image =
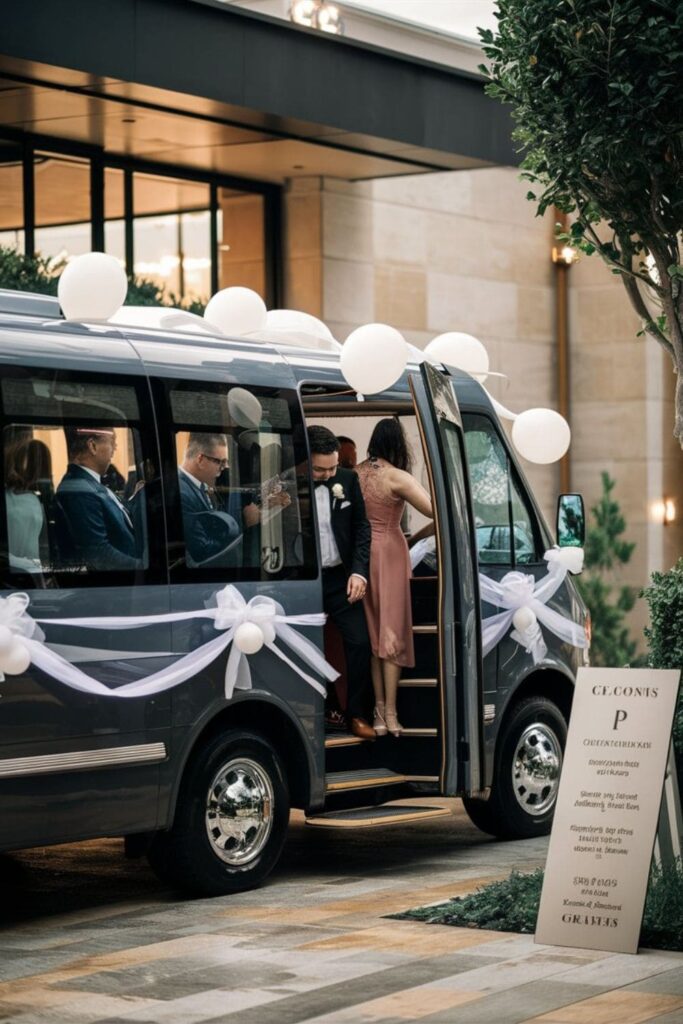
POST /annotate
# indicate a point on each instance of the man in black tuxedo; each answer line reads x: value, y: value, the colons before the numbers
x: 94, y: 528
x: 344, y: 533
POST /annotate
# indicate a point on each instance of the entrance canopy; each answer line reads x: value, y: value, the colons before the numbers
x: 194, y: 83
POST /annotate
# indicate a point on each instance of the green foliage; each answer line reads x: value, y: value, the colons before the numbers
x: 664, y: 636
x: 41, y: 274
x: 512, y: 906
x: 28, y: 273
x: 605, y: 553
x: 595, y: 89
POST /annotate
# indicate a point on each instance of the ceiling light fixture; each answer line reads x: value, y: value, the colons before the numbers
x: 317, y: 14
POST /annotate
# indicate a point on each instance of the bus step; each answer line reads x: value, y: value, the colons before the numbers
x: 426, y: 629
x: 365, y: 778
x: 417, y: 682
x: 371, y: 817
x: 344, y: 739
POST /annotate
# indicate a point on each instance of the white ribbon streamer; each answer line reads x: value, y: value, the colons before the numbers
x: 230, y: 612
x: 518, y: 592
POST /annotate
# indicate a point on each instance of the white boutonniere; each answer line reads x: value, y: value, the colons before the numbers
x: 338, y: 492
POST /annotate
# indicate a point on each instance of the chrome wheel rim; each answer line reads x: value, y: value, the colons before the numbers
x: 239, y: 811
x: 536, y: 769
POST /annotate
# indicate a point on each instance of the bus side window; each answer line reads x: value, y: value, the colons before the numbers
x: 74, y: 481
x: 239, y: 488
x: 503, y: 523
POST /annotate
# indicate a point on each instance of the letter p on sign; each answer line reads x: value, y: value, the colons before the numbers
x: 620, y: 717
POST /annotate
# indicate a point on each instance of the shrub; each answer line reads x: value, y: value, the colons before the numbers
x: 41, y: 274
x: 664, y: 636
x: 512, y: 906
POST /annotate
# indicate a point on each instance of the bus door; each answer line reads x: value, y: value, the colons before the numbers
x: 459, y: 616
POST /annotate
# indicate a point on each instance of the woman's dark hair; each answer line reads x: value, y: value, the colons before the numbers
x: 389, y: 442
x: 26, y: 462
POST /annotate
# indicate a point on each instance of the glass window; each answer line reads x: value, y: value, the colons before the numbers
x: 242, y: 240
x: 172, y: 236
x: 62, y: 197
x: 503, y: 523
x: 11, y: 196
x: 79, y: 483
x: 114, y: 214
x: 241, y: 483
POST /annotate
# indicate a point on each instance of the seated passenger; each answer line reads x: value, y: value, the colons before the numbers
x: 27, y: 463
x: 94, y: 528
x: 210, y: 530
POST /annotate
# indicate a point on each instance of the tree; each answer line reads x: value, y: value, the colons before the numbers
x: 595, y: 88
x: 605, y: 552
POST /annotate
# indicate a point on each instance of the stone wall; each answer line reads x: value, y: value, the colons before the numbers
x: 464, y: 251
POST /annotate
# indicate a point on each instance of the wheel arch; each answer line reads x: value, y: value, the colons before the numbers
x: 265, y: 716
x: 551, y: 682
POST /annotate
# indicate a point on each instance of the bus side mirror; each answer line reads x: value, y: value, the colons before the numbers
x: 571, y: 521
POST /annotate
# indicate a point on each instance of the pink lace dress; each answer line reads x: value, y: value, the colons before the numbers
x: 387, y: 599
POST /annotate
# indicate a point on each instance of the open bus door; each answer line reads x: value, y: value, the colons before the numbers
x: 460, y: 660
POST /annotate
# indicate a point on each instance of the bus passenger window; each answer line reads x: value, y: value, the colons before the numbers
x: 242, y: 482
x: 74, y: 476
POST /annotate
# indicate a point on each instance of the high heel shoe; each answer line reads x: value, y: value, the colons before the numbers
x: 378, y: 723
x: 393, y: 724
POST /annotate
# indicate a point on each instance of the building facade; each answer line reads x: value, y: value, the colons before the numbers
x: 359, y: 179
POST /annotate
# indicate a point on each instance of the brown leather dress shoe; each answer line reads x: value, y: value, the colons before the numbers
x: 360, y: 728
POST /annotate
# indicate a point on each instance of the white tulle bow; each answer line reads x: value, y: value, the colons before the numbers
x: 524, y: 603
x: 231, y: 611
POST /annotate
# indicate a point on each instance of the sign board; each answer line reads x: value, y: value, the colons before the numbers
x: 607, y: 809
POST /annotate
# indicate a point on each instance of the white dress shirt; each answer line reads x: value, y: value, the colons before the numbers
x: 328, y: 545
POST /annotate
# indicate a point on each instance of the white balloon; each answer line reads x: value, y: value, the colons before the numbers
x: 541, y: 435
x: 268, y: 630
x: 523, y: 619
x: 295, y: 320
x: 244, y: 408
x: 92, y: 287
x: 248, y: 638
x: 16, y: 660
x: 6, y: 639
x: 236, y: 311
x: 461, y: 351
x: 373, y: 358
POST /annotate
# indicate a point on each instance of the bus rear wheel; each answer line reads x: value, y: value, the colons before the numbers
x: 231, y: 818
x: 526, y: 775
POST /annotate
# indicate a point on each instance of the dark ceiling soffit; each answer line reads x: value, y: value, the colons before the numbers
x: 266, y: 68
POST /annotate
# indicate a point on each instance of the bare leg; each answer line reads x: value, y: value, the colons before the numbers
x: 378, y: 724
x: 391, y: 674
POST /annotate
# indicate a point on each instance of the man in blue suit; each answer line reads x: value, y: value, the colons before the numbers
x: 211, y: 526
x: 94, y: 527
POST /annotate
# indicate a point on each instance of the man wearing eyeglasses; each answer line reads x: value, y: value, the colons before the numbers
x: 208, y: 527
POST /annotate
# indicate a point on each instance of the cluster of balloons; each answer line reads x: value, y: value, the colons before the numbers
x: 372, y: 359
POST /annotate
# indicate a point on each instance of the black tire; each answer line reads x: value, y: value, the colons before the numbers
x: 526, y: 773
x: 208, y: 853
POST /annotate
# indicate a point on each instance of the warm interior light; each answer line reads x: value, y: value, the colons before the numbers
x: 565, y: 255
x: 664, y: 511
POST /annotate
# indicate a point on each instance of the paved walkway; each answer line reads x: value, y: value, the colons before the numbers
x: 93, y: 938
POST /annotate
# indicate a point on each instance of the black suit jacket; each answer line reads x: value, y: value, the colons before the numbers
x: 91, y: 527
x: 349, y: 523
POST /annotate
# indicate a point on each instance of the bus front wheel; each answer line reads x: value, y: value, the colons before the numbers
x: 526, y: 775
x: 231, y: 818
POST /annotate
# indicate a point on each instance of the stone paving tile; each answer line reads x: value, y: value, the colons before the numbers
x: 623, y: 969
x: 612, y: 1008
x: 669, y: 982
x: 519, y: 1006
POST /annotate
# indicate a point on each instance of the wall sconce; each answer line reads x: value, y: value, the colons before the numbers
x: 565, y: 255
x: 664, y: 511
x: 317, y: 14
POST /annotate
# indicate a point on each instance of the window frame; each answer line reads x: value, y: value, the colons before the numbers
x: 156, y: 572
x: 513, y: 479
x: 179, y: 571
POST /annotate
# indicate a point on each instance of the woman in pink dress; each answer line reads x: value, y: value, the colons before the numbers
x: 387, y: 485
